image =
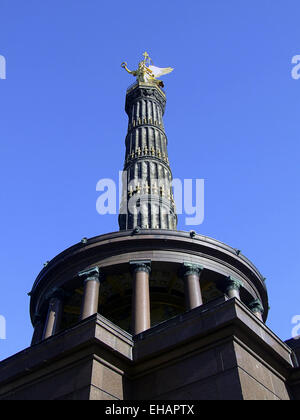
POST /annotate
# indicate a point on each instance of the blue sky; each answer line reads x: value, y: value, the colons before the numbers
x: 232, y: 118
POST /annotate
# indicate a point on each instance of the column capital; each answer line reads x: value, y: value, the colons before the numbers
x: 91, y: 274
x: 191, y: 268
x: 256, y: 306
x: 141, y: 265
x: 233, y: 283
x: 37, y: 318
x: 56, y: 293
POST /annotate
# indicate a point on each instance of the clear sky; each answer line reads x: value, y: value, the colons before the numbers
x: 232, y: 118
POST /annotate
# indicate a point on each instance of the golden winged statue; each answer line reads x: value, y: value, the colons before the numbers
x: 148, y: 73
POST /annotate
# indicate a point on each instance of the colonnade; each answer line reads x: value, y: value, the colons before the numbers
x: 141, y: 314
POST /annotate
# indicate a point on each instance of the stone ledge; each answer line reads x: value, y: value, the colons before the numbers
x: 195, y: 334
x: 214, y: 317
x: 95, y: 330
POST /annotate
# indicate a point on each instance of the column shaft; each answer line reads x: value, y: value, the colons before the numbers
x: 53, y: 317
x: 232, y: 287
x: 38, y: 330
x: 193, y: 295
x: 141, y: 300
x: 90, y: 298
x: 233, y: 293
x: 257, y: 308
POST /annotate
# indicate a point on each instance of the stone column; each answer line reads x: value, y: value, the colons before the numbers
x: 38, y: 329
x: 257, y: 308
x: 141, y: 320
x: 91, y: 292
x: 54, y: 313
x: 233, y: 286
x: 191, y: 274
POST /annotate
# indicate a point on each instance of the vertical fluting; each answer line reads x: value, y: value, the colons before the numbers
x: 147, y: 198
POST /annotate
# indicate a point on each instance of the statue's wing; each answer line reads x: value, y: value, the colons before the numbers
x: 157, y: 71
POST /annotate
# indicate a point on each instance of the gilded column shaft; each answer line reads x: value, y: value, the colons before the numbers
x: 146, y: 163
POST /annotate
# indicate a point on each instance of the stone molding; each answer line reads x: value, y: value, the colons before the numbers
x: 144, y: 265
x: 92, y: 274
x: 233, y: 283
x: 256, y: 306
x: 192, y: 269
